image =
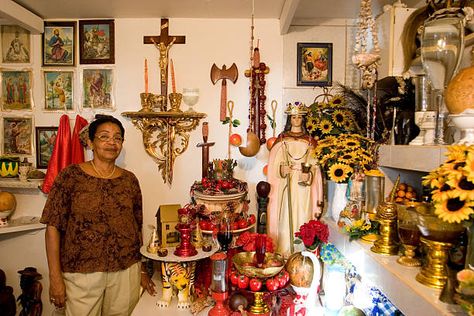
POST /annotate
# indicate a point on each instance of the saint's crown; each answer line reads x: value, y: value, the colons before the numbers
x: 296, y: 108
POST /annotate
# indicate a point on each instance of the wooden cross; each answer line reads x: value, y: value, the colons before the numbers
x: 163, y: 43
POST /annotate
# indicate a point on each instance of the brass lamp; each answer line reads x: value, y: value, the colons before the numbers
x: 387, y: 243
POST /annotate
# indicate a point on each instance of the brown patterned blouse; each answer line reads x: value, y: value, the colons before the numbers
x: 99, y: 220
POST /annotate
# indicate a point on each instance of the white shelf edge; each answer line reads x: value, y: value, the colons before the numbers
x: 410, y: 157
x: 21, y: 224
x: 397, y: 282
x: 15, y: 183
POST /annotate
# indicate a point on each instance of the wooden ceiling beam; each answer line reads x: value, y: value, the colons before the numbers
x: 16, y: 14
x: 287, y: 14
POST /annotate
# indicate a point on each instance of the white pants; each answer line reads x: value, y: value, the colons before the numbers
x: 102, y: 293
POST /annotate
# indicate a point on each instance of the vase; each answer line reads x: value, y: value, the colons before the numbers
x: 470, y: 246
x: 338, y: 201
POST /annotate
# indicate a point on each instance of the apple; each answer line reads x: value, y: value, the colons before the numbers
x: 255, y: 284
x: 235, y: 140
x: 265, y: 170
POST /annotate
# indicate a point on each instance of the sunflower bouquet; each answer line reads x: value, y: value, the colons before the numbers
x: 331, y: 116
x: 452, y: 185
x: 339, y: 156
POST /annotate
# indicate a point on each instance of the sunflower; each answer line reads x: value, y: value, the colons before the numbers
x: 453, y: 209
x: 311, y: 125
x: 338, y: 118
x: 442, y: 193
x: 465, y: 189
x: 433, y: 179
x: 457, y: 152
x: 469, y: 167
x: 325, y: 126
x: 351, y: 142
x: 339, y: 172
x: 336, y: 101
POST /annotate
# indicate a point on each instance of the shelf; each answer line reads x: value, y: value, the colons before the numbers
x: 16, y: 183
x: 416, y: 158
x: 397, y: 282
x: 21, y: 224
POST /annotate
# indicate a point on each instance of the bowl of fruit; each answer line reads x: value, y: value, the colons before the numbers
x: 246, y: 264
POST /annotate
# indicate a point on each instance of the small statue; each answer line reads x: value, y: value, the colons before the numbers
x: 30, y: 298
x: 7, y: 299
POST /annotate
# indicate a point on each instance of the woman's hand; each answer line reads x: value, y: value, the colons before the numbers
x: 57, y: 291
x: 147, y: 283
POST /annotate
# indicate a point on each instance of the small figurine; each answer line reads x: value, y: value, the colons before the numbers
x: 7, y: 299
x: 30, y: 298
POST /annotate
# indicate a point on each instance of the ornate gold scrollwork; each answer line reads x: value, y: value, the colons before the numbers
x: 165, y: 135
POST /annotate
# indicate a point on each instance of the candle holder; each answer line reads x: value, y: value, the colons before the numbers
x: 175, y: 100
x: 185, y: 248
x: 219, y: 285
x: 259, y: 307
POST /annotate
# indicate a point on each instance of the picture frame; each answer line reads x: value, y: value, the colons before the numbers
x: 45, y: 139
x: 16, y: 44
x: 16, y: 90
x: 59, y: 43
x: 97, y: 41
x: 98, y: 88
x: 314, y: 64
x: 58, y: 86
x: 17, y: 135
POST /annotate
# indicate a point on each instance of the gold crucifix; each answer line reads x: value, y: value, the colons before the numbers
x: 163, y: 43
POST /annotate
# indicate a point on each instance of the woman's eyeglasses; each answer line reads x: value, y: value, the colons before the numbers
x: 105, y: 139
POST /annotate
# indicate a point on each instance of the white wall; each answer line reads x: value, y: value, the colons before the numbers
x: 207, y: 42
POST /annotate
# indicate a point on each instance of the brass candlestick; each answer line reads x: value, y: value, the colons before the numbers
x: 259, y: 307
x: 438, y: 237
x: 434, y: 273
x: 387, y: 243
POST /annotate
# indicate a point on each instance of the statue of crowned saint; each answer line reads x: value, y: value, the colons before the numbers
x: 295, y: 177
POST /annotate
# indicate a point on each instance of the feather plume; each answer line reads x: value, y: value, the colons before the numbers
x: 354, y: 101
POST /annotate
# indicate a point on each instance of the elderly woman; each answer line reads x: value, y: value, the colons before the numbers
x: 93, y: 235
x: 296, y: 185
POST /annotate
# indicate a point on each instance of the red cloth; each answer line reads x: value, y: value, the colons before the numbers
x: 61, y: 156
x: 77, y: 150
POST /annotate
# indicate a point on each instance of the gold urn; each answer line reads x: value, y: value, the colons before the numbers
x: 388, y: 242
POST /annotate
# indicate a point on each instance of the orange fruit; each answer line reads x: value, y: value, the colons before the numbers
x: 235, y: 140
x: 402, y: 186
x: 401, y: 193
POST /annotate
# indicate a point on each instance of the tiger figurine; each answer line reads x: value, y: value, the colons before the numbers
x: 177, y: 277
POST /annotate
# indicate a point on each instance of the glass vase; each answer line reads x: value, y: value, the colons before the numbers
x: 339, y: 200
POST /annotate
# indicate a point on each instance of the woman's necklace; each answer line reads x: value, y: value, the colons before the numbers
x: 100, y: 173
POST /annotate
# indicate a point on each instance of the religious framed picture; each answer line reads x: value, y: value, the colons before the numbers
x: 16, y: 45
x: 16, y: 90
x: 98, y: 88
x: 59, y: 43
x: 58, y: 90
x: 17, y: 135
x: 314, y: 64
x: 96, y: 42
x: 45, y: 139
